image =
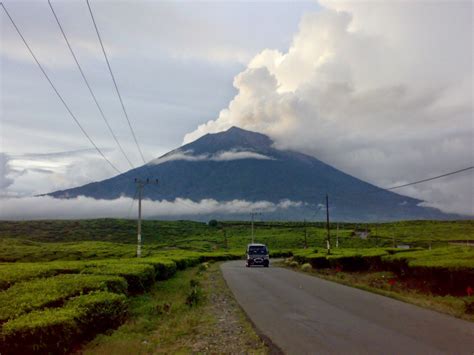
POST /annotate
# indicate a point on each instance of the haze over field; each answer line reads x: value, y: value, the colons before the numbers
x: 378, y: 90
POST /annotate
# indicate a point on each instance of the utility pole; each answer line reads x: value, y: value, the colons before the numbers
x: 337, y: 236
x: 225, y: 238
x: 253, y: 217
x: 140, y: 185
x: 328, y: 240
x: 305, y: 235
x: 393, y: 237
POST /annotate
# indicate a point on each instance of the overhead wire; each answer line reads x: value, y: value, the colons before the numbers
x: 385, y: 189
x: 57, y: 92
x: 115, y: 82
x: 431, y: 178
x: 353, y: 195
x: 88, y: 85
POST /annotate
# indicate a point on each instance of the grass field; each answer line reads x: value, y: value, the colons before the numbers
x: 106, y: 238
x: 71, y: 280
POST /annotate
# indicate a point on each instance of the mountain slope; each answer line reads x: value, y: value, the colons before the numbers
x: 244, y: 165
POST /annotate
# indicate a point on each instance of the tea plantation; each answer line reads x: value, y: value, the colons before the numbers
x: 63, y: 282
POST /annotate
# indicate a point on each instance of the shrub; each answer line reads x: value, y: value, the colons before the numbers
x: 280, y: 253
x: 194, y: 283
x: 469, y: 305
x: 294, y: 264
x: 213, y: 223
x: 53, y: 291
x: 164, y: 268
x: 16, y: 272
x: 57, y: 329
x: 195, y: 297
x: 203, y: 266
x: 306, y: 267
x: 139, y: 276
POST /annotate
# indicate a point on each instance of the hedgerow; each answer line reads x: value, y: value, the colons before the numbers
x: 56, y: 330
x: 448, y: 270
x: 164, y: 268
x: 42, y: 314
x: 139, y: 276
x: 53, y: 291
x: 12, y: 273
x: 450, y: 257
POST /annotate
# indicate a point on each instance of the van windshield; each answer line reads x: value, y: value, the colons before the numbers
x: 257, y: 250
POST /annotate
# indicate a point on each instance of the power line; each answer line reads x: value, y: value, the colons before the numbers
x: 115, y: 83
x: 385, y: 189
x: 431, y: 178
x: 56, y: 91
x: 350, y: 196
x: 88, y: 86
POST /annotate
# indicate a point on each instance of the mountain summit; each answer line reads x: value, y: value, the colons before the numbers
x: 233, y: 138
x: 244, y: 165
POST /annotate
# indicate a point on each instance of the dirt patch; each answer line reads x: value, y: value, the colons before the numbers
x: 230, y: 332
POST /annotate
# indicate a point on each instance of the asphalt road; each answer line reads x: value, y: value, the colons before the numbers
x: 302, y: 314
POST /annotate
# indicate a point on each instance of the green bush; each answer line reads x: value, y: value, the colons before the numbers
x: 306, y: 267
x: 213, y: 223
x: 139, y: 277
x: 15, y: 272
x: 53, y: 291
x: 56, y: 330
x: 164, y: 268
x: 469, y: 305
x: 203, y: 267
x: 453, y: 258
x: 280, y: 253
x: 196, y: 295
x: 294, y: 263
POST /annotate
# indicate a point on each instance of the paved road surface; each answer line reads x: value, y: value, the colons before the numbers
x: 303, y: 314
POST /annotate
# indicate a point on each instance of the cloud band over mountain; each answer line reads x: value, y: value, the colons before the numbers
x: 46, y: 207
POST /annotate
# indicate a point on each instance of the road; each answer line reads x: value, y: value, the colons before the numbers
x: 302, y: 314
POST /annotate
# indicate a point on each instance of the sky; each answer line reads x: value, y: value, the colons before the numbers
x: 380, y: 90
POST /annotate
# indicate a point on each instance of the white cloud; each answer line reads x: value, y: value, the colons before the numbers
x: 35, y: 173
x: 46, y: 207
x: 219, y: 156
x: 236, y: 155
x: 5, y: 179
x: 381, y: 90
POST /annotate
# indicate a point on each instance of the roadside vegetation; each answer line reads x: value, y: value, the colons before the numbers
x: 441, y: 278
x: 74, y: 300
x: 73, y: 280
x: 193, y: 312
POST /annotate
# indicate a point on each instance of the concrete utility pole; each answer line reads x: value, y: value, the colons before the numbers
x: 328, y: 240
x: 337, y: 236
x: 253, y: 214
x: 140, y: 185
x: 225, y: 238
x: 305, y: 235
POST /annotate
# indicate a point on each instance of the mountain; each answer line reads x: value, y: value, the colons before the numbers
x: 243, y: 165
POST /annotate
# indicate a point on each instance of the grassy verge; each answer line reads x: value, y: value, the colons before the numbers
x: 162, y: 321
x: 387, y: 284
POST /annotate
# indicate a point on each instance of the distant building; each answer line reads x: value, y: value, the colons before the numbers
x: 361, y: 234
